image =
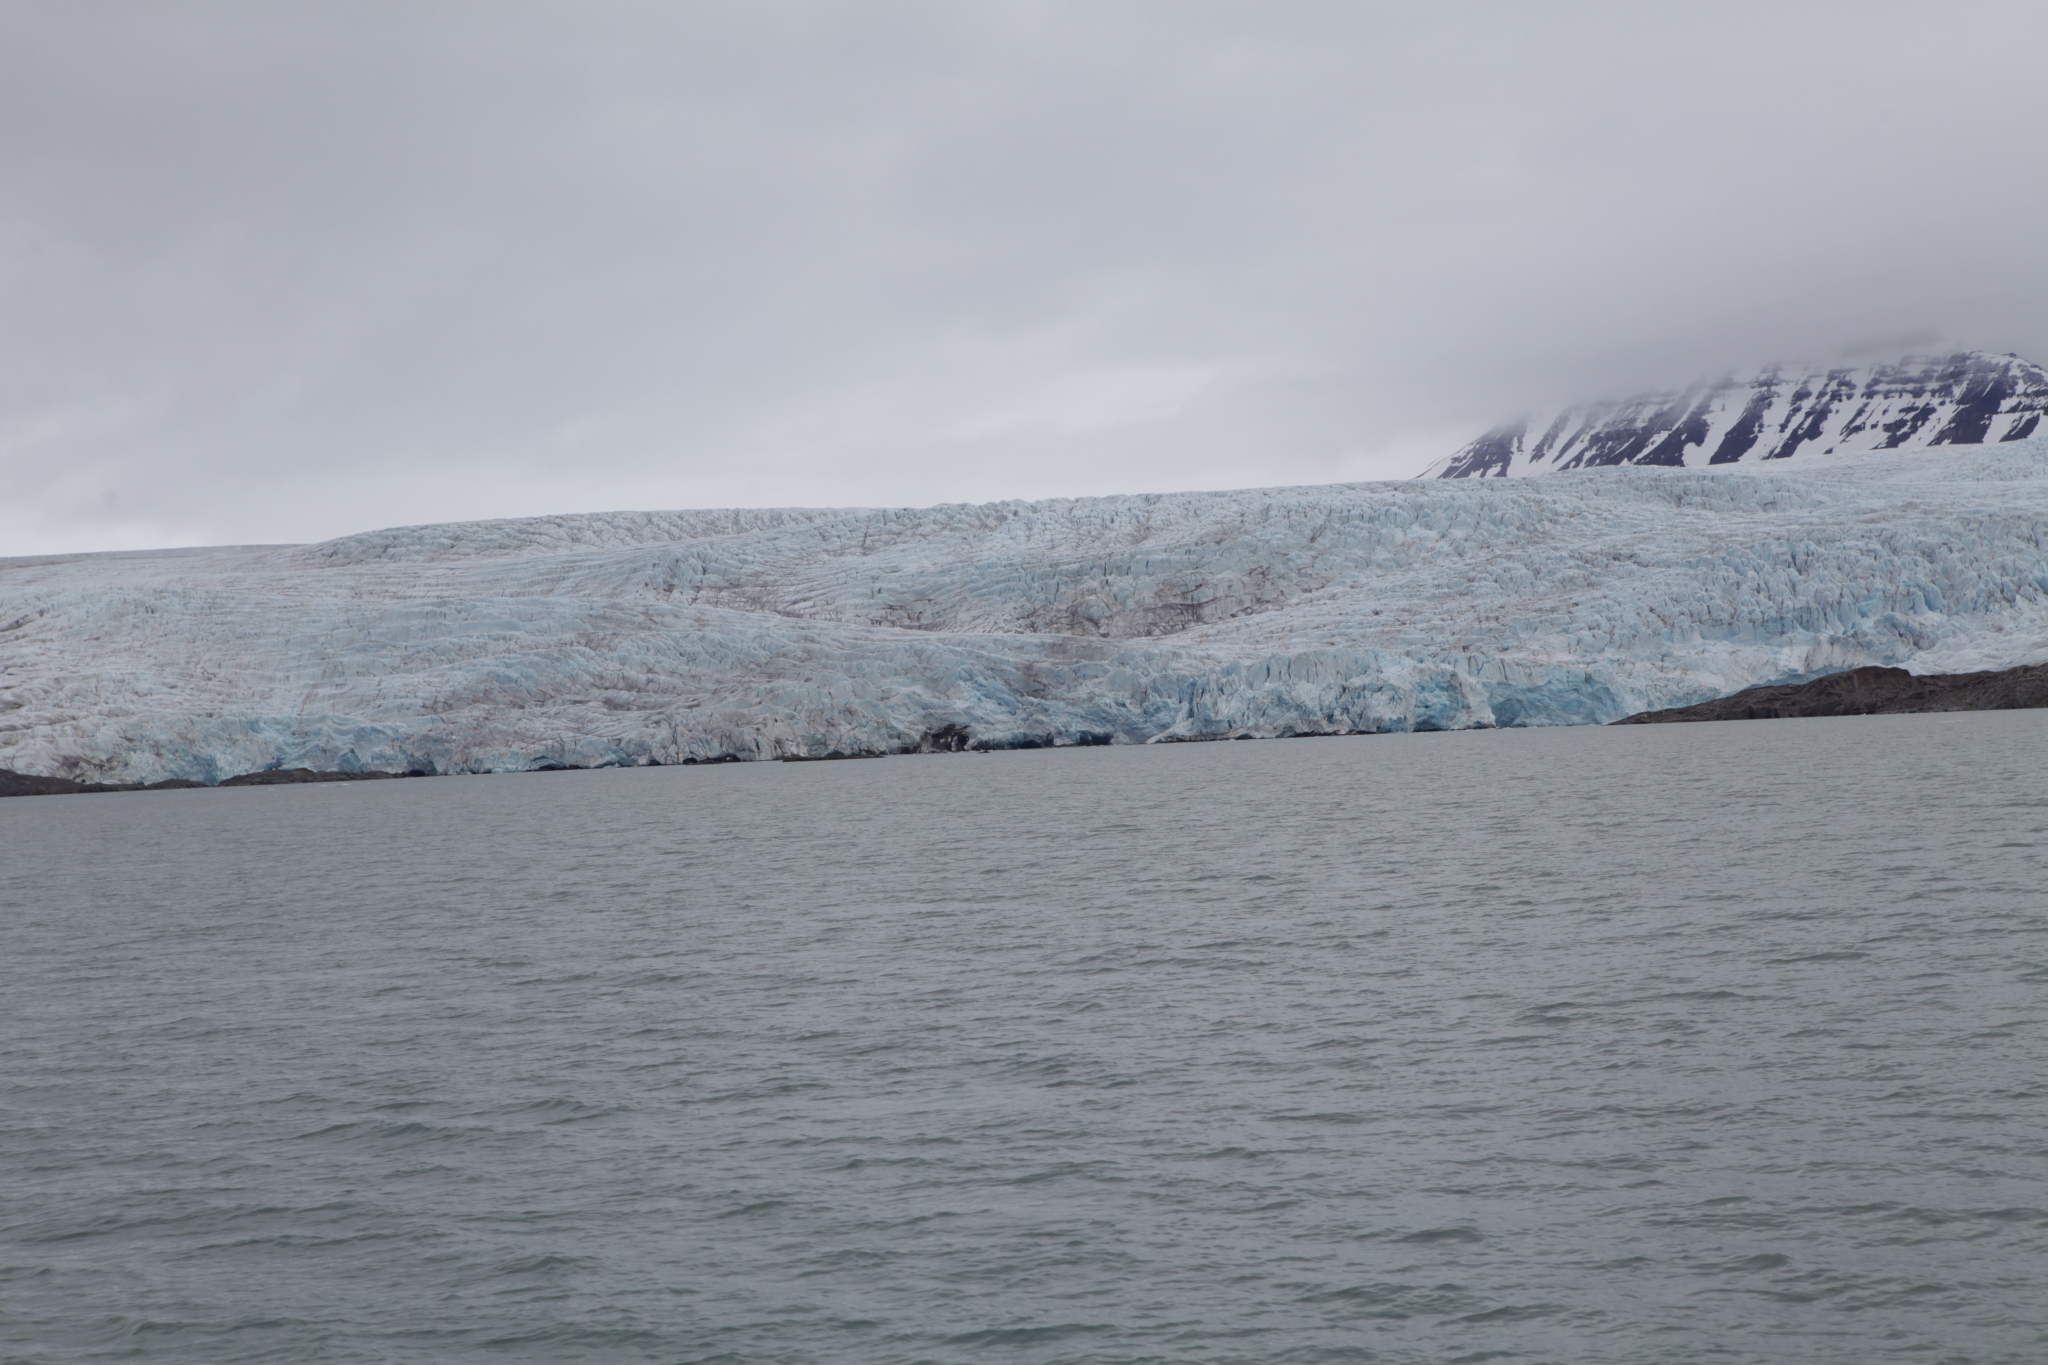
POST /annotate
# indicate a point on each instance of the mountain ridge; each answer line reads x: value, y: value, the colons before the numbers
x: 1961, y: 398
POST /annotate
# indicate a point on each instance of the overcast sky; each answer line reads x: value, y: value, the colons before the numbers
x: 276, y: 271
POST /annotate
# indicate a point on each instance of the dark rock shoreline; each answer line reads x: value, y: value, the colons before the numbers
x: 1870, y: 692
x: 27, y: 784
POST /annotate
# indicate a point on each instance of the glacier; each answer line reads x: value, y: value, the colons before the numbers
x: 673, y: 637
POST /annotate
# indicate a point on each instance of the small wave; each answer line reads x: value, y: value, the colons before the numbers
x: 404, y: 1134
x: 547, y: 1263
x: 1763, y: 1260
x: 1512, y: 1313
x: 1334, y: 1116
x: 563, y: 1338
x: 1026, y: 1336
x: 1451, y: 1234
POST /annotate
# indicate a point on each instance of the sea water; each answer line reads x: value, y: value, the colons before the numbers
x: 1722, y: 1043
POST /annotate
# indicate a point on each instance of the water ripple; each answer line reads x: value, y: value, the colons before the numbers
x: 1635, y: 1047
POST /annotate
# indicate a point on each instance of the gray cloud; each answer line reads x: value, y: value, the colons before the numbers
x: 282, y: 271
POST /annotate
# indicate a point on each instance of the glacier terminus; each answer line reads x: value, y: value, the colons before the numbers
x: 1612, y: 587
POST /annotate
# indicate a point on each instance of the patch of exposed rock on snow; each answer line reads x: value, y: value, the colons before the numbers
x: 631, y: 638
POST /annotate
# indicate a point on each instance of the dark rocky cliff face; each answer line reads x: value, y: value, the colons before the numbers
x: 1871, y: 692
x: 1967, y: 398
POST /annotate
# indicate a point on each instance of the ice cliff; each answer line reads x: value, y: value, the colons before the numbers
x: 1914, y: 402
x: 668, y: 637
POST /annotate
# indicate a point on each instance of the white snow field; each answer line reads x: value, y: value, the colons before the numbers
x: 663, y: 637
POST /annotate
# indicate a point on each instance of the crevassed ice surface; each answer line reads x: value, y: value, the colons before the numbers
x: 1909, y: 403
x: 633, y: 638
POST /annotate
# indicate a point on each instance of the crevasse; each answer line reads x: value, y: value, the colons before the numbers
x: 652, y: 637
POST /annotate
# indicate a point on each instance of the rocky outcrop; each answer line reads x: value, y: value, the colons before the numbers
x: 278, y: 777
x: 1871, y: 692
x: 1916, y: 402
x: 28, y: 784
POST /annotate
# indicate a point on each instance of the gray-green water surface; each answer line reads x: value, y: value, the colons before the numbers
x: 1716, y: 1043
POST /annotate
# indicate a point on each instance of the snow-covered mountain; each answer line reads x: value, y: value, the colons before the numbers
x: 1917, y: 402
x: 668, y: 637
